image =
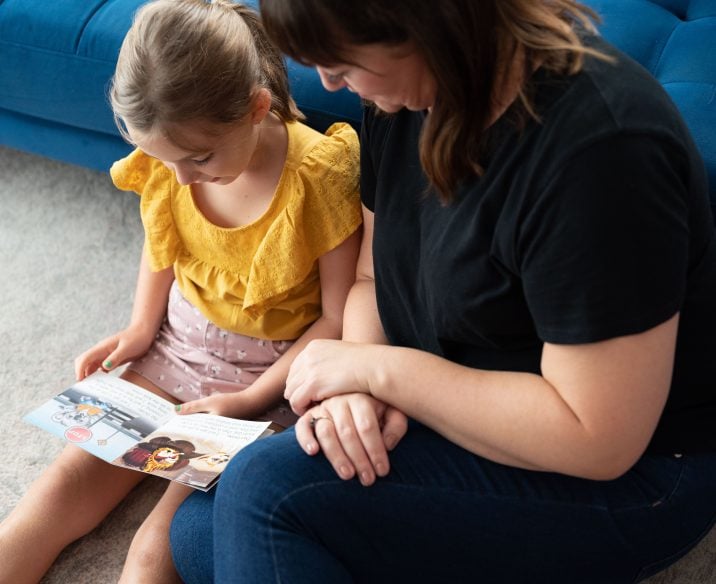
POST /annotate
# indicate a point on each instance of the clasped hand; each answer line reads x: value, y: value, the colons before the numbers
x: 355, y: 431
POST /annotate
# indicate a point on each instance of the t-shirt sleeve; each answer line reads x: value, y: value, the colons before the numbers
x: 603, y: 250
x: 153, y: 182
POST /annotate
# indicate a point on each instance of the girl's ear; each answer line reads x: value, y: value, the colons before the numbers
x: 262, y: 105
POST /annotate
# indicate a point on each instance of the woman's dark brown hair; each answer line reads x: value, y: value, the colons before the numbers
x: 464, y: 42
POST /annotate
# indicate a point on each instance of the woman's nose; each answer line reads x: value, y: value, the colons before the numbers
x: 329, y: 81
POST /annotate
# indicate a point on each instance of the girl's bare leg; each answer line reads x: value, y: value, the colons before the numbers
x: 72, y: 496
x: 67, y: 501
x: 149, y: 560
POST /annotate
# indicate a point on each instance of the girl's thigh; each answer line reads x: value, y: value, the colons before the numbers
x: 444, y: 514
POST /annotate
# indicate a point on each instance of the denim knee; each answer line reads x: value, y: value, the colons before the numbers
x: 191, y: 539
x: 261, y: 475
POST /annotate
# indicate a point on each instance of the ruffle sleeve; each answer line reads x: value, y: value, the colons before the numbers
x: 154, y: 183
x: 321, y: 213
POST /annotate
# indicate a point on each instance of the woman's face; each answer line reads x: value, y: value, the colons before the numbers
x: 391, y: 77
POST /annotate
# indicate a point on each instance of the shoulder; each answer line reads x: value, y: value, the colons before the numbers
x: 325, y: 160
x: 140, y: 173
x: 607, y: 99
x: 308, y: 146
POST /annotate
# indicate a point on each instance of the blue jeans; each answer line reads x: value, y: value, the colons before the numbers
x: 441, y: 515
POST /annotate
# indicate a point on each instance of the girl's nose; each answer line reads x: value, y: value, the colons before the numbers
x: 185, y: 176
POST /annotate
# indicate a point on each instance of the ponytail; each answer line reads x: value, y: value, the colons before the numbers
x: 273, y: 67
x: 189, y: 60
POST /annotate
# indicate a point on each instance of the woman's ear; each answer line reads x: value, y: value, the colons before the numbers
x: 262, y: 105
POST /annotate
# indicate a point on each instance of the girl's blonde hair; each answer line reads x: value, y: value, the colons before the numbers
x: 192, y: 61
x: 466, y: 44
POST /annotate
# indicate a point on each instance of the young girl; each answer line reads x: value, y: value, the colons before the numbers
x: 251, y: 237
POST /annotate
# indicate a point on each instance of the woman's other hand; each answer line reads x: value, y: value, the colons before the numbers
x: 355, y: 432
x: 326, y: 368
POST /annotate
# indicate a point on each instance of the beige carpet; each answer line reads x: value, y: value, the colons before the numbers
x: 69, y: 250
x: 69, y: 245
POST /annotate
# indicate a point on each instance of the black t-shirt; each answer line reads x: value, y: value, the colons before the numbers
x: 593, y: 223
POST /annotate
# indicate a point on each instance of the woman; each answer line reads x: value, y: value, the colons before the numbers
x: 535, y: 292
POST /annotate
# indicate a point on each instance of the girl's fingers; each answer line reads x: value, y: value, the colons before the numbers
x: 197, y: 406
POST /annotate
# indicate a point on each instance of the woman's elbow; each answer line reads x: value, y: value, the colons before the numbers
x: 609, y: 462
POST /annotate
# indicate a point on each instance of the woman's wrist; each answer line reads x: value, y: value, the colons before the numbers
x: 375, y: 377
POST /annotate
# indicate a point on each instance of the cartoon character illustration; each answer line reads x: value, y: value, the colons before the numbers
x: 161, y: 453
x: 85, y: 413
x: 214, y: 462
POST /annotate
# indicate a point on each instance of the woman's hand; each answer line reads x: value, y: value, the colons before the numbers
x: 126, y: 345
x: 355, y: 433
x: 326, y: 368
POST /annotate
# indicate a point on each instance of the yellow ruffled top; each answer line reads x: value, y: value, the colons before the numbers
x: 259, y: 279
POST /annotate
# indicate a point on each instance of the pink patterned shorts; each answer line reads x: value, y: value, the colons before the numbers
x: 193, y: 358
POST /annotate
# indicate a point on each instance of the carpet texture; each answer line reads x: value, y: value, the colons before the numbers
x: 69, y: 247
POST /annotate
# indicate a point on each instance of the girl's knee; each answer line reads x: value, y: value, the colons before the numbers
x: 149, y: 549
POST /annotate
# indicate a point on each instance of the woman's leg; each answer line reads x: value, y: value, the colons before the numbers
x: 443, y: 514
x: 149, y: 559
x: 191, y: 538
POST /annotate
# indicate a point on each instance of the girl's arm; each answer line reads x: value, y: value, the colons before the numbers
x: 361, y: 322
x: 150, y: 306
x: 337, y: 274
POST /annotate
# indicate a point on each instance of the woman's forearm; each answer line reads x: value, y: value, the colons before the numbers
x: 564, y: 420
x: 483, y: 411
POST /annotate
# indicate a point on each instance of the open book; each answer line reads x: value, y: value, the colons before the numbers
x: 128, y: 426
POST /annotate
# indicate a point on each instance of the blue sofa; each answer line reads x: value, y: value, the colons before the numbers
x: 57, y: 57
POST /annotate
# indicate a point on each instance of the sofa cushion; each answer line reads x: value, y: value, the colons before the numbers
x: 675, y: 41
x: 56, y: 60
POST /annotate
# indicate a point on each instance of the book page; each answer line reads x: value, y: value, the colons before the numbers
x: 192, y: 449
x: 103, y: 414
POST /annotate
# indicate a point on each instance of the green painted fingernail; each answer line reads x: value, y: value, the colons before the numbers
x: 177, y: 407
x: 107, y: 364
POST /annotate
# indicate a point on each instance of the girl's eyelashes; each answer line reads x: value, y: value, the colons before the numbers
x: 203, y: 160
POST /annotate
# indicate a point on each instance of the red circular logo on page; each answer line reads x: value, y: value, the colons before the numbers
x: 77, y: 434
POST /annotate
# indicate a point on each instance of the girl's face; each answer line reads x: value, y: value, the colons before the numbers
x: 391, y: 77
x: 212, y: 158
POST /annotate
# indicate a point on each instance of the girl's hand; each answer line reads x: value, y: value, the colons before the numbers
x: 126, y: 345
x: 355, y: 433
x: 327, y: 368
x: 231, y: 405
